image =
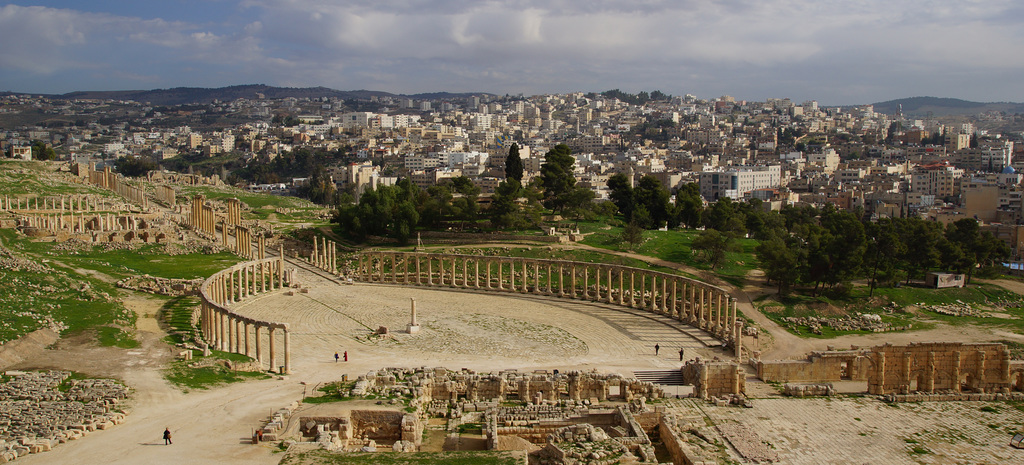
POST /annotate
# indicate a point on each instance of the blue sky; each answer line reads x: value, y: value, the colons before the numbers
x: 834, y: 51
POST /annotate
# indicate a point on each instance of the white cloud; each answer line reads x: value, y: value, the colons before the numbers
x: 855, y: 49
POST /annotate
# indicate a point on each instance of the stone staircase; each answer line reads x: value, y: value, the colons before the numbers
x: 662, y: 377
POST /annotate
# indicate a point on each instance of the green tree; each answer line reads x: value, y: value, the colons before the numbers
x: 133, y: 166
x: 711, y: 246
x: 42, y: 151
x: 689, y: 205
x: 632, y: 234
x: 780, y: 259
x: 557, y: 177
x: 621, y: 194
x: 514, y: 164
x: 656, y: 199
x: 505, y: 211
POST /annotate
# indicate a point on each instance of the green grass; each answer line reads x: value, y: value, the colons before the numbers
x: 188, y: 378
x: 112, y: 336
x: 323, y: 457
x: 177, y: 314
x: 675, y: 246
x: 331, y: 392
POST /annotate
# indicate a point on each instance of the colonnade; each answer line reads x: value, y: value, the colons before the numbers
x: 696, y: 303
x: 234, y: 215
x: 166, y: 195
x: 227, y: 331
x: 117, y: 183
x: 83, y: 223
x: 63, y: 204
x: 202, y: 217
x: 325, y: 255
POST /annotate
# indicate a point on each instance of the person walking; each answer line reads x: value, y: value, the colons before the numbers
x: 656, y: 349
x: 336, y: 357
x: 680, y: 354
x: 167, y: 436
x: 346, y: 355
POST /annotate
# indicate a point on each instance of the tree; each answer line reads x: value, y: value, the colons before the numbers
x: 42, y: 151
x: 632, y: 234
x: 622, y: 194
x: 655, y: 198
x: 514, y: 164
x: 132, y: 166
x: 556, y: 176
x: 689, y: 205
x: 504, y: 210
x: 711, y: 247
x: 780, y: 260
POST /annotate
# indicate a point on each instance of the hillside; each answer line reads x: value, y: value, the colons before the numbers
x: 938, y: 106
x: 192, y: 95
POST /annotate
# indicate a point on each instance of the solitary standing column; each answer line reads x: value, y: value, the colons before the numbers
x: 273, y: 352
x: 287, y: 352
x: 413, y: 327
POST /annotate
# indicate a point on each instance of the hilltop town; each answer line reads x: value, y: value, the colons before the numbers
x: 778, y: 151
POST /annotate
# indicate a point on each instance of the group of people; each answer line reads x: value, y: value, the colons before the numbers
x: 657, y: 348
x: 337, y: 357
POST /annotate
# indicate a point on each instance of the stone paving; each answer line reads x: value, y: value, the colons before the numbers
x: 867, y: 431
x: 536, y: 330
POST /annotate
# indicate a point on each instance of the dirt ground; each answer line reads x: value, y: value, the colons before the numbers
x: 462, y: 329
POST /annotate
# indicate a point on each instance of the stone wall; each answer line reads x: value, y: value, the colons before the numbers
x: 714, y: 378
x: 818, y: 367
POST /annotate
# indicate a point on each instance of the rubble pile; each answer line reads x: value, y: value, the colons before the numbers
x: 38, y: 411
x: 863, y: 322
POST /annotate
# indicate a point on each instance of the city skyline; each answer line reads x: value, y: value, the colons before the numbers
x: 834, y: 52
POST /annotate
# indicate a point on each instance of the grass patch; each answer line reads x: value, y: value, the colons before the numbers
x: 112, y: 336
x: 471, y: 428
x: 322, y: 457
x: 675, y: 246
x: 332, y: 392
x: 204, y: 377
x: 177, y: 314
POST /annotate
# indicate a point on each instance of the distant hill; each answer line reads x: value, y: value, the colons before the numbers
x: 937, y: 106
x: 193, y: 95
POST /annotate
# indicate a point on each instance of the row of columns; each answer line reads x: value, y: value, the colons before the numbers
x: 234, y: 215
x: 109, y: 180
x: 69, y: 203
x: 324, y: 255
x: 82, y: 223
x: 693, y: 302
x: 229, y: 332
x: 166, y: 195
x: 202, y: 217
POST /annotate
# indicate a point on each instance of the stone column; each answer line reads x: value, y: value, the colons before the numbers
x: 702, y: 318
x: 419, y: 279
x: 572, y: 281
x: 536, y: 278
x: 622, y: 288
x: 597, y: 283
x: 609, y: 293
x: 287, y: 352
x: 430, y: 271
x: 550, y: 281
x: 488, y: 265
x: 738, y: 340
x: 259, y: 343
x: 465, y: 272
x: 238, y: 335
x: 273, y: 351
x: 476, y: 273
x: 673, y: 305
x: 230, y: 327
x: 248, y: 345
x: 664, y: 296
x: 632, y: 289
x: 280, y: 267
x: 526, y: 287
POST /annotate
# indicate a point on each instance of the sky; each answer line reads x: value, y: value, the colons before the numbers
x: 833, y: 51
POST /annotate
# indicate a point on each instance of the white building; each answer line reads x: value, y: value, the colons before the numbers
x: 736, y: 182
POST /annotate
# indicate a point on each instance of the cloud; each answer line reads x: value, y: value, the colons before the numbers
x: 848, y: 49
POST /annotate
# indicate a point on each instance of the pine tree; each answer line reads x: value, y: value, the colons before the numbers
x: 514, y: 164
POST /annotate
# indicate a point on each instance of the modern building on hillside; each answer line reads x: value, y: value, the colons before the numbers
x: 736, y: 182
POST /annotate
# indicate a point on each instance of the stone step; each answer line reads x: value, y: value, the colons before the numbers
x: 662, y: 377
